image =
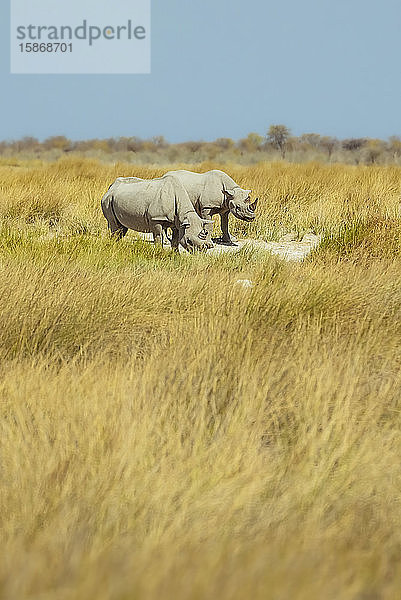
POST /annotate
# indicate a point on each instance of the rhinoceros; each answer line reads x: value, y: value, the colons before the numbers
x: 153, y: 206
x: 214, y: 192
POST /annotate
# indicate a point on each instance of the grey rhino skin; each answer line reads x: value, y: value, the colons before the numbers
x: 215, y: 192
x: 153, y: 206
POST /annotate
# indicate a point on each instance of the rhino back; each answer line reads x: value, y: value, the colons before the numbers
x: 192, y: 182
x: 123, y: 180
x: 200, y: 187
x: 140, y: 204
x: 225, y: 180
x: 134, y: 202
x: 205, y: 190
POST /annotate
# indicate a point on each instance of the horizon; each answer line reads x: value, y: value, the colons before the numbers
x: 200, y: 140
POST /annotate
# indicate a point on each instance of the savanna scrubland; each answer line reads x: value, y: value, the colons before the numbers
x: 164, y: 432
x: 278, y: 143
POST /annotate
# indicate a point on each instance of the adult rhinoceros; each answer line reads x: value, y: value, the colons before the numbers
x: 152, y: 206
x: 214, y: 192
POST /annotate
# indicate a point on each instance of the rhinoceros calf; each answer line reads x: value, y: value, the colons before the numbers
x: 152, y: 206
x: 215, y: 192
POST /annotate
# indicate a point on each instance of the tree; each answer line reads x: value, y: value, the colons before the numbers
x: 192, y: 146
x: 135, y: 144
x: 354, y: 145
x: 278, y: 137
x: 159, y: 142
x: 29, y: 143
x: 328, y: 144
x: 224, y: 143
x: 252, y: 143
x: 58, y: 142
x: 310, y: 139
x: 395, y: 146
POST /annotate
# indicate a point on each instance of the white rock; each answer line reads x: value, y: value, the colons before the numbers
x: 312, y: 238
x: 289, y: 237
x: 246, y: 283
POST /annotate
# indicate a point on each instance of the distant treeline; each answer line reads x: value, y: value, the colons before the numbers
x: 278, y: 143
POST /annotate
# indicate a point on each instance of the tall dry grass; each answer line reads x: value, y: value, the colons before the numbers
x: 166, y: 433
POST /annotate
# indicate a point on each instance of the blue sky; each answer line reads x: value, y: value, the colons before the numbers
x: 224, y: 68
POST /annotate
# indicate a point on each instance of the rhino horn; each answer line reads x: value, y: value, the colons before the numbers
x: 254, y: 204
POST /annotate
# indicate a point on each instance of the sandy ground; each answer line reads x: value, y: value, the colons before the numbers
x: 286, y: 248
x: 291, y: 250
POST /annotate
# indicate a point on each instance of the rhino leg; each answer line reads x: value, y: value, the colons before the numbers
x: 119, y: 233
x: 158, y: 235
x: 226, y: 238
x: 175, y: 240
x: 206, y: 214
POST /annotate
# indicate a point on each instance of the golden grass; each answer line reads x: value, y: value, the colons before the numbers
x: 166, y: 433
